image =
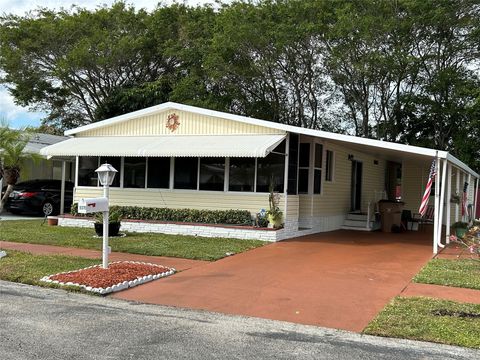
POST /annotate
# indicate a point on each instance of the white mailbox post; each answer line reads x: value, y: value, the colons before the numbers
x: 106, y: 174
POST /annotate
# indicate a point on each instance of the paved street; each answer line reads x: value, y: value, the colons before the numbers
x: 38, y: 323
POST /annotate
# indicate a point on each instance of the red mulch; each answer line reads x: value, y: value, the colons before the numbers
x: 97, y: 277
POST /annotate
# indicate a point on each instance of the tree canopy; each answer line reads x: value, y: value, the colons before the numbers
x: 403, y: 70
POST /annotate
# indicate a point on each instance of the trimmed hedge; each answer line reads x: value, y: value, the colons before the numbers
x: 231, y: 217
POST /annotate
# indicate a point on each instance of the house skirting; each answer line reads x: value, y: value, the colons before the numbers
x: 322, y: 223
x: 202, y: 230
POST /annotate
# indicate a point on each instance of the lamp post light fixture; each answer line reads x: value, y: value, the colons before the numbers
x: 106, y: 174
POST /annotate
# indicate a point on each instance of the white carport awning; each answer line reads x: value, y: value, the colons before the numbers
x: 174, y: 145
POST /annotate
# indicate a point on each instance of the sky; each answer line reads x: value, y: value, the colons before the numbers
x: 18, y: 116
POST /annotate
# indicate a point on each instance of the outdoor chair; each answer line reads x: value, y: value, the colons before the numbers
x: 427, y: 218
x: 407, y: 218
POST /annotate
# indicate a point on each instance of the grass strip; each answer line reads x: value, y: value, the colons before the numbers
x: 464, y: 273
x: 26, y: 268
x: 426, y: 319
x: 181, y: 246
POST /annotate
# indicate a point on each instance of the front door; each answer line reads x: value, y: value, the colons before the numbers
x: 357, y: 170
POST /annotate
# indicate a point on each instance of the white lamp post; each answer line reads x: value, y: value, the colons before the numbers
x: 106, y: 174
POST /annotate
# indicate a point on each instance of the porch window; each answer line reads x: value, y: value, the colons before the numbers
x: 186, y: 173
x: 116, y: 162
x: 303, y: 168
x: 134, y: 169
x: 317, y: 171
x: 158, y: 173
x: 86, y: 171
x: 329, y: 163
x: 241, y: 174
x: 212, y: 173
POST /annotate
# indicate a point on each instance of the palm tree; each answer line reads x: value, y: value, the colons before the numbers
x: 12, y: 157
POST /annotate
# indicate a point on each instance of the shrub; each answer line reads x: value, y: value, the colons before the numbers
x: 231, y: 217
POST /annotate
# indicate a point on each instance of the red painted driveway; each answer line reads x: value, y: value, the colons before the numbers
x: 340, y: 279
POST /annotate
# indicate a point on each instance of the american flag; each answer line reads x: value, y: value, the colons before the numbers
x: 428, y: 190
x: 464, y: 199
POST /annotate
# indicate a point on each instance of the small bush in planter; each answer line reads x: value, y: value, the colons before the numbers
x: 274, y: 214
x: 114, y: 219
x: 460, y: 228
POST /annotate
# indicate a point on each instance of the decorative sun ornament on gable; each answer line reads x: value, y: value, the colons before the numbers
x: 172, y: 122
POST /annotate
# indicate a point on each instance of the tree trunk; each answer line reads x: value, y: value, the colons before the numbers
x: 4, y: 199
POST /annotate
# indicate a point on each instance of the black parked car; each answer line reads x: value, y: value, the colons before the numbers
x: 40, y: 197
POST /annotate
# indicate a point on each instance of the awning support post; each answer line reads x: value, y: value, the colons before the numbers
x: 457, y: 193
x: 475, y: 199
x: 62, y: 190
x: 285, y: 180
x: 436, y: 205
x: 468, y: 189
x: 442, y: 204
x: 449, y: 196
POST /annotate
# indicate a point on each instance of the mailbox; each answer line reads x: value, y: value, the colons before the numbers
x: 92, y: 205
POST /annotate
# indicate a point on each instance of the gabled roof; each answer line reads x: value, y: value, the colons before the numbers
x: 364, y: 142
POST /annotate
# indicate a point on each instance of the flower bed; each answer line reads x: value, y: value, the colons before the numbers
x: 119, y: 276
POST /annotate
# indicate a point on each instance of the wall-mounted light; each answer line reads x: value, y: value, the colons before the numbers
x: 350, y: 157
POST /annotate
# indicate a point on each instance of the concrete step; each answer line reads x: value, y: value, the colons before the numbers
x: 357, y: 223
x: 355, y: 228
x: 361, y: 226
x: 357, y: 216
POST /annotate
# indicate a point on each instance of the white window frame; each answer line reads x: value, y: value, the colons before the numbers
x: 332, y: 165
x: 309, y: 185
x: 312, y: 161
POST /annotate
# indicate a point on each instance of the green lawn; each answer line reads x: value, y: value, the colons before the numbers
x: 189, y: 247
x: 427, y: 319
x: 27, y: 268
x: 458, y: 273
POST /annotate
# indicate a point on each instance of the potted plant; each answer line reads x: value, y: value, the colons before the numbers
x: 455, y: 199
x: 114, y: 219
x: 274, y: 214
x: 460, y: 228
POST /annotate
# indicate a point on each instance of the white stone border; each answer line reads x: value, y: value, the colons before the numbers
x: 117, y: 287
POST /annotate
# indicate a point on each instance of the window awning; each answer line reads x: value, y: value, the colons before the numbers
x: 173, y: 145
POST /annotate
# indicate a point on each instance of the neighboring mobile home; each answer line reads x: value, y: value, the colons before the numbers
x: 45, y: 169
x: 179, y: 156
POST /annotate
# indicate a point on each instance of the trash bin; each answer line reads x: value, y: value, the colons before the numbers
x: 390, y: 214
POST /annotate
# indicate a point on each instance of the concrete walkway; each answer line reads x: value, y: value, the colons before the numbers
x: 442, y: 292
x: 177, y: 263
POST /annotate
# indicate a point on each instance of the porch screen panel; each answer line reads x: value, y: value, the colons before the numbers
x: 271, y: 171
x: 116, y: 162
x: 134, y: 169
x: 158, y: 173
x: 241, y: 174
x: 186, y: 172
x: 212, y: 173
x: 86, y: 171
